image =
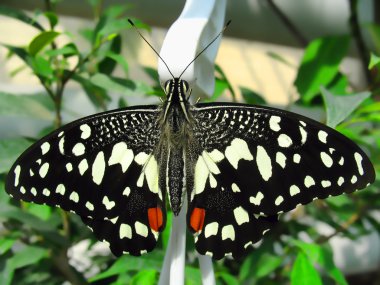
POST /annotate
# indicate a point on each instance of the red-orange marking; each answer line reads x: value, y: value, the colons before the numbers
x: 197, y: 219
x: 155, y: 218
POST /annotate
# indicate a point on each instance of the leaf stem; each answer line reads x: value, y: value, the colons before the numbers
x: 357, y: 34
x: 288, y: 23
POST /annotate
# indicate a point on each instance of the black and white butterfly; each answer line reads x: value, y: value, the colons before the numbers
x: 239, y: 165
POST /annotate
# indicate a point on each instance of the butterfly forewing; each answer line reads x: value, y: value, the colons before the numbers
x: 258, y: 162
x: 102, y: 168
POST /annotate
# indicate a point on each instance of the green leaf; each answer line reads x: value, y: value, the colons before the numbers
x: 120, y: 60
x: 41, y: 67
x: 338, y: 108
x: 375, y: 60
x: 27, y: 106
x: 41, y: 211
x: 20, y: 52
x: 303, y: 272
x: 67, y: 51
x: 124, y: 86
x: 220, y: 87
x: 97, y: 95
x: 267, y: 264
x: 6, y: 244
x: 251, y: 97
x: 228, y: 278
x: 130, y: 263
x: 320, y: 64
x: 26, y: 256
x: 10, y: 150
x: 147, y: 277
x: 20, y: 15
x: 108, y: 64
x: 280, y: 58
x: 41, y: 40
x: 52, y: 18
x: 374, y: 31
x: 192, y: 276
x: 322, y: 255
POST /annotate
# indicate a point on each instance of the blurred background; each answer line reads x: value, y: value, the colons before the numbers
x: 261, y: 60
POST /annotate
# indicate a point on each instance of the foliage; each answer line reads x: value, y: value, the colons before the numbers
x: 35, y: 240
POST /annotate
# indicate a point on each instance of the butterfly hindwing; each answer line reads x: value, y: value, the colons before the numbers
x: 258, y: 162
x: 102, y: 168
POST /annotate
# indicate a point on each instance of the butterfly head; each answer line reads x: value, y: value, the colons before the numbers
x: 177, y: 90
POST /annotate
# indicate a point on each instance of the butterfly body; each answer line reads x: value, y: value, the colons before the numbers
x: 239, y: 165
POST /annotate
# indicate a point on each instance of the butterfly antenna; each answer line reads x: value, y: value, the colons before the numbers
x: 217, y: 36
x: 137, y: 30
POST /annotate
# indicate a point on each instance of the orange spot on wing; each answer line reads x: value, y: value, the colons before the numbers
x: 197, y: 219
x: 155, y: 218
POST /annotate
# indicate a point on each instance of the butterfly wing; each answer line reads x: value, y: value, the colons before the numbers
x: 257, y: 162
x: 102, y: 168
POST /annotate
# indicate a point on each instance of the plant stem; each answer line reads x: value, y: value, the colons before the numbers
x: 288, y: 23
x: 357, y: 34
x: 61, y: 263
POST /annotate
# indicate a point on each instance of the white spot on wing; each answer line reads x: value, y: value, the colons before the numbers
x: 303, y: 135
x: 44, y: 169
x: 211, y: 165
x: 326, y: 183
x: 256, y: 200
x: 79, y: 149
x: 141, y: 229
x: 200, y: 175
x: 235, y: 188
x: 86, y: 131
x: 22, y: 190
x: 33, y: 191
x: 236, y: 151
x: 83, y: 166
x: 121, y: 154
x: 107, y: 203
x: 294, y: 190
x: 326, y: 159
x: 213, y: 182
x: 45, y: 147
x: 279, y: 200
x: 281, y: 159
x: 354, y: 179
x: 61, y: 146
x: 264, y: 163
x: 17, y: 175
x: 127, y: 191
x: 274, y: 123
x: 46, y: 192
x: 60, y: 189
x: 322, y: 136
x: 340, y: 181
x: 284, y: 140
x: 241, y: 215
x: 125, y: 231
x: 98, y: 168
x: 74, y: 197
x: 69, y: 167
x: 216, y: 155
x: 228, y: 232
x: 309, y: 181
x: 296, y: 158
x: 358, y: 159
x: 141, y: 158
x: 211, y: 229
x: 89, y: 206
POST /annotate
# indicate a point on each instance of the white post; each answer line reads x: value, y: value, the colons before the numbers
x: 199, y: 22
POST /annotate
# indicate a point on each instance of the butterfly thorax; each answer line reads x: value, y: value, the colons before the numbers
x: 175, y: 137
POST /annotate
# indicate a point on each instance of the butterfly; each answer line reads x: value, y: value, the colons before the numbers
x: 237, y: 166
